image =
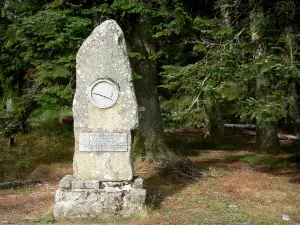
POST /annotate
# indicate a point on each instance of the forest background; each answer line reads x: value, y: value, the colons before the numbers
x: 198, y: 65
x: 201, y: 62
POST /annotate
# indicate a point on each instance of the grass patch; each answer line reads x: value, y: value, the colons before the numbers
x: 44, y: 220
x: 216, y: 172
x: 251, y: 160
x: 217, y: 207
x: 294, y: 181
x: 31, y: 151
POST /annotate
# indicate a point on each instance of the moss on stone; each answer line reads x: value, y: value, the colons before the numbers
x: 139, y: 147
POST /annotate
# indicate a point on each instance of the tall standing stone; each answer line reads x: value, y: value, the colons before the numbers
x: 102, y: 62
x: 105, y: 113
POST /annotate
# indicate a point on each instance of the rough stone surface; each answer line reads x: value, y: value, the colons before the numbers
x: 137, y: 183
x: 77, y: 184
x: 92, y: 184
x: 68, y: 182
x: 103, y: 167
x: 103, y: 55
x: 65, y: 182
x: 59, y: 196
x: 115, y: 184
x: 118, y: 198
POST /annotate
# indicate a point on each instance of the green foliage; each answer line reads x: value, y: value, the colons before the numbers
x: 271, y: 107
x: 45, y: 122
x: 38, y: 50
x: 198, y: 86
x: 128, y: 6
x: 216, y: 55
x: 41, y: 39
x: 47, y: 43
x: 47, y: 142
x: 44, y: 220
x: 217, y: 63
x: 18, y: 110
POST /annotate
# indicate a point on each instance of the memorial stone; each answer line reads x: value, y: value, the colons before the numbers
x: 105, y: 114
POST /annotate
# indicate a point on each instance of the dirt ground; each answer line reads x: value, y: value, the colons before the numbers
x: 234, y: 187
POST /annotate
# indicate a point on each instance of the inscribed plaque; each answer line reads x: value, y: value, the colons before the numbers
x: 103, y: 142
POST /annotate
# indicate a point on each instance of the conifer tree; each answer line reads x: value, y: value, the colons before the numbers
x: 218, y: 60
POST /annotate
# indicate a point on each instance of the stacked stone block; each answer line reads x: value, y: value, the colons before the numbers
x: 93, y: 197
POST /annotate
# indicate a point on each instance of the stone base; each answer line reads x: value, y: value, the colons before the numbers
x: 95, y: 198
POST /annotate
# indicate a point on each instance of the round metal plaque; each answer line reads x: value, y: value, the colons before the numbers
x: 104, y: 93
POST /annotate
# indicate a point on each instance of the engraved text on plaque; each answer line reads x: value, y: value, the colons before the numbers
x: 103, y: 142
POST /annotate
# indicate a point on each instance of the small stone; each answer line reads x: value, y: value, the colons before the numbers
x: 138, y: 183
x: 97, y: 207
x: 126, y: 187
x: 286, y: 217
x: 233, y: 207
x: 107, y: 184
x: 59, y: 196
x: 65, y: 182
x: 113, y: 202
x: 77, y: 184
x: 112, y: 189
x: 113, y: 184
x: 248, y: 223
x: 70, y: 208
x: 137, y: 196
x: 73, y: 195
x: 92, y: 197
x: 92, y: 184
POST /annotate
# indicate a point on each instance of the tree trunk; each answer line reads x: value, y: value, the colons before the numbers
x: 266, y: 137
x: 294, y: 92
x: 266, y: 133
x: 217, y: 131
x: 149, y: 143
x: 295, y: 113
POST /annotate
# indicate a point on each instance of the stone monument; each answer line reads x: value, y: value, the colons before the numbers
x: 105, y: 114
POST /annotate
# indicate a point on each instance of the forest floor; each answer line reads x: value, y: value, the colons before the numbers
x: 238, y: 186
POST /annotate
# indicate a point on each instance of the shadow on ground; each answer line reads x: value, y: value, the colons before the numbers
x: 172, y: 177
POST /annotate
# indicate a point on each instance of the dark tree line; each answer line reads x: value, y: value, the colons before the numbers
x: 213, y: 60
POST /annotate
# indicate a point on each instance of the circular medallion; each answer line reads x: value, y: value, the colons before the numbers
x: 104, y: 93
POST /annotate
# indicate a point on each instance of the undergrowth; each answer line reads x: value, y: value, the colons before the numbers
x: 46, y: 142
x: 252, y: 159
